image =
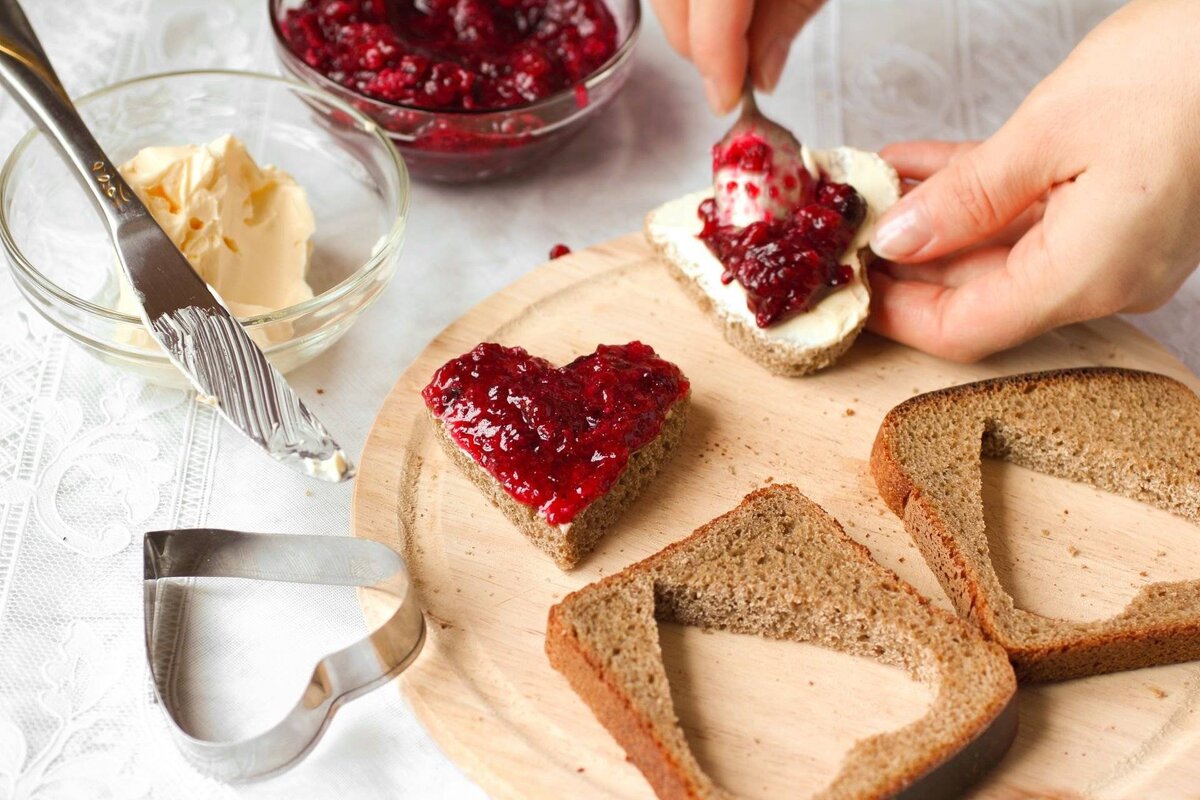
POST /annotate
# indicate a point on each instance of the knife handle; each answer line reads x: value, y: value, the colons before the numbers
x: 26, y: 72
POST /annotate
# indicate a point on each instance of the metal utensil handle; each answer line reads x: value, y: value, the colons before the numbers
x: 26, y: 72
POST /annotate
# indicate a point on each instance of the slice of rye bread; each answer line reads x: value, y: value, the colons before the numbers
x: 671, y: 229
x: 1130, y: 432
x: 778, y: 566
x: 567, y: 544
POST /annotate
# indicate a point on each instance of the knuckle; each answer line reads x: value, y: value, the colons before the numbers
x: 1147, y: 305
x: 972, y: 195
x: 960, y: 349
x: 1140, y: 297
x: 1101, y: 298
x: 952, y: 336
x: 958, y: 354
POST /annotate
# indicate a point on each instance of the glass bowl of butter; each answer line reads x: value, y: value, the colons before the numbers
x: 289, y: 202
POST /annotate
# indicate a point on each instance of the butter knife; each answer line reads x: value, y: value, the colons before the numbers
x: 198, y: 334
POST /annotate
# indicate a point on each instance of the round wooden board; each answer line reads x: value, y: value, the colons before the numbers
x: 765, y: 718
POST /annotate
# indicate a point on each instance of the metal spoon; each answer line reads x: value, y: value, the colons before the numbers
x: 747, y: 191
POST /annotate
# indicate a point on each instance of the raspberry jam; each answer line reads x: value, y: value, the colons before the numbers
x: 453, y: 54
x: 788, y: 264
x: 755, y: 180
x: 749, y: 153
x: 558, y: 438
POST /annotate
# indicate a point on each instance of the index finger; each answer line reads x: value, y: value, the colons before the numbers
x: 717, y: 38
x: 673, y: 16
x: 917, y: 160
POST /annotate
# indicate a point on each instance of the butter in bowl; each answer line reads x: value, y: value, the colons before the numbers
x: 289, y: 203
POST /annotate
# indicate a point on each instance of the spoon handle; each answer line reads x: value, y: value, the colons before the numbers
x: 27, y: 74
x: 749, y: 104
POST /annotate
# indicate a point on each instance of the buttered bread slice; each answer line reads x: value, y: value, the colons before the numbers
x: 809, y: 340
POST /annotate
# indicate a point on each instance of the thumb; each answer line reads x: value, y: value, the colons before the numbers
x: 973, y: 197
x: 775, y: 24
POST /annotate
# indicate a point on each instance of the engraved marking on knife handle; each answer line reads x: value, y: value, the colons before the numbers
x: 113, y: 190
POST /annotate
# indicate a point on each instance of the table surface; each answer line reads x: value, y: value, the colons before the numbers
x: 90, y: 458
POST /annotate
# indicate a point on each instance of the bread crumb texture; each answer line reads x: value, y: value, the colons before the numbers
x: 775, y: 566
x: 1125, y: 431
x: 569, y: 544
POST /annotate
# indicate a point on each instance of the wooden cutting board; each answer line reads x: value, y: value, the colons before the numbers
x: 765, y: 718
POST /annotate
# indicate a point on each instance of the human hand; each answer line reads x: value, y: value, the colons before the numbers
x: 1085, y: 203
x: 727, y: 38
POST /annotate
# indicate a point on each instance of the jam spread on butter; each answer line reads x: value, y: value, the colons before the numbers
x: 453, y: 54
x: 556, y: 438
x: 790, y: 258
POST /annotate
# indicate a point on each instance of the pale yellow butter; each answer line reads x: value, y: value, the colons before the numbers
x: 247, y: 230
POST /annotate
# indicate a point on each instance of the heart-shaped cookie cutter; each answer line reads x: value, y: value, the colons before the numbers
x: 337, y: 678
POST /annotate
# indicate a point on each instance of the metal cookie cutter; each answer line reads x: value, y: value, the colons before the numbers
x: 337, y: 678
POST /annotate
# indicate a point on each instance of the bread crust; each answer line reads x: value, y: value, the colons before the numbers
x: 615, y: 712
x: 568, y: 545
x: 776, y: 356
x: 1075, y: 649
x: 634, y: 731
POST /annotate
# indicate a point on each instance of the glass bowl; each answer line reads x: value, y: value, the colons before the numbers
x: 465, y: 146
x: 64, y: 262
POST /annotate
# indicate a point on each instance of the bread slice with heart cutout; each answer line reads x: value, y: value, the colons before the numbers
x: 561, y: 451
x: 1133, y: 433
x: 809, y: 341
x: 779, y: 566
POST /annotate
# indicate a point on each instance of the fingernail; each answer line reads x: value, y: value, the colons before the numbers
x: 715, y: 101
x: 770, y: 65
x: 901, y: 233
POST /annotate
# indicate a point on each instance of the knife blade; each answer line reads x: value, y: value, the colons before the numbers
x: 179, y: 309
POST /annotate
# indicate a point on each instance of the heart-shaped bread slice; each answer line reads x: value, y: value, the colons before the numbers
x: 1129, y: 432
x: 562, y: 451
x: 808, y: 341
x: 779, y: 566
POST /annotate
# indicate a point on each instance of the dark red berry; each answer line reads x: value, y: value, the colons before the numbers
x: 749, y: 153
x: 486, y: 55
x: 844, y: 200
x: 555, y: 438
x: 788, y: 265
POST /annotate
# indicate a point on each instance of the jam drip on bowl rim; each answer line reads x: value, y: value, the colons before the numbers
x: 788, y: 232
x: 555, y: 438
x: 453, y: 54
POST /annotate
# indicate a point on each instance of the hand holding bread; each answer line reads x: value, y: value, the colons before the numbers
x: 1082, y: 205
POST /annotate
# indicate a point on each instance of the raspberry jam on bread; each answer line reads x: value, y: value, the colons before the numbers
x: 788, y: 264
x: 555, y: 438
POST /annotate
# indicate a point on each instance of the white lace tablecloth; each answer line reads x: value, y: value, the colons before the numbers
x: 91, y: 458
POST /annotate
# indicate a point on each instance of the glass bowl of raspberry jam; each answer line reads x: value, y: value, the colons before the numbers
x: 467, y: 89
